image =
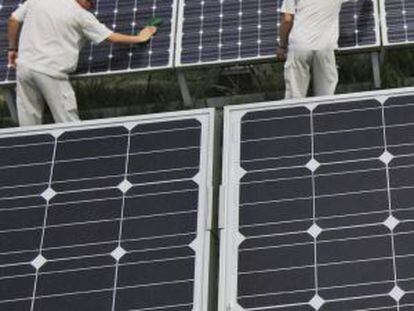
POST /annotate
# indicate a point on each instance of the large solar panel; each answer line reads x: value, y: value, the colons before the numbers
x: 231, y: 30
x: 397, y: 21
x: 125, y: 16
x: 111, y: 215
x: 318, y: 204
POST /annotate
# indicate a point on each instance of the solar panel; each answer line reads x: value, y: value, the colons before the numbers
x: 233, y: 30
x: 318, y: 204
x: 397, y: 21
x: 125, y: 16
x: 110, y: 215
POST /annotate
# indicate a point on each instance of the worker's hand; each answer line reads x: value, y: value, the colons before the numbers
x: 12, y: 57
x: 281, y: 53
x: 147, y: 33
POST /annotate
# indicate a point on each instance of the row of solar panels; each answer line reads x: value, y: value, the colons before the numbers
x: 316, y: 209
x: 200, y: 32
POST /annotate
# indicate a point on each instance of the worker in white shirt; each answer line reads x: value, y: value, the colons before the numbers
x: 52, y: 34
x: 309, y: 34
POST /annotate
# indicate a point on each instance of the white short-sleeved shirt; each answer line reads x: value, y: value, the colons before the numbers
x: 316, y: 23
x: 53, y: 33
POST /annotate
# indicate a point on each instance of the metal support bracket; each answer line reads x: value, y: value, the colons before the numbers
x: 376, y: 69
x: 185, y: 91
x: 10, y: 97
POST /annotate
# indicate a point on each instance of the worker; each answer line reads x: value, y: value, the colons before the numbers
x: 308, y: 38
x: 52, y: 34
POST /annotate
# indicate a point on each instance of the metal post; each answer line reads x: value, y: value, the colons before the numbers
x: 10, y: 97
x: 376, y: 69
x: 185, y: 92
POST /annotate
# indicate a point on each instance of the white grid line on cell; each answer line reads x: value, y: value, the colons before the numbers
x: 316, y: 175
x: 334, y: 163
x: 103, y: 137
x: 321, y: 241
x: 149, y: 194
x: 149, y: 250
x: 45, y: 219
x: 330, y: 195
x: 98, y: 255
x: 239, y: 29
x: 327, y: 264
x: 164, y: 307
x: 336, y: 216
x: 327, y: 163
x: 356, y: 13
x: 133, y: 28
x: 341, y: 131
x: 384, y: 308
x: 114, y: 156
x: 150, y: 43
x: 61, y: 247
x: 99, y: 290
x: 389, y: 197
x: 99, y: 221
x: 200, y: 33
x: 344, y: 286
x: 101, y: 199
x: 220, y: 31
x: 113, y: 27
x: 121, y: 223
x: 56, y: 205
x: 113, y: 265
x: 252, y: 238
x: 72, y: 180
x: 281, y: 307
x: 314, y: 230
x: 304, y: 135
x: 336, y: 112
x: 197, y: 147
x: 277, y: 246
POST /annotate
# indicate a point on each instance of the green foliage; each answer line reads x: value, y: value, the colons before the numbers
x: 140, y: 93
x: 398, y: 67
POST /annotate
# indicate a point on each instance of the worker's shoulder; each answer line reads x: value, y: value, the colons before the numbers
x: 82, y: 15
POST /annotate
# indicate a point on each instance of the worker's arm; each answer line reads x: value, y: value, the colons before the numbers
x: 284, y: 32
x: 143, y: 36
x: 13, y: 28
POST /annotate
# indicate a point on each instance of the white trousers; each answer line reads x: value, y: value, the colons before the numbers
x: 301, y: 65
x: 34, y: 89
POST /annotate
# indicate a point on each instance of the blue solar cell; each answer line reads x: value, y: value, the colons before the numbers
x: 359, y: 25
x: 319, y: 207
x: 398, y: 25
x: 104, y: 217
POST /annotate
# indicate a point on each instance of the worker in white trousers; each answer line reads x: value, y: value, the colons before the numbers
x: 52, y: 34
x: 308, y: 38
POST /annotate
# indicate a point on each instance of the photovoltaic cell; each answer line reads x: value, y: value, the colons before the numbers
x: 125, y: 16
x: 233, y: 30
x: 359, y: 25
x: 320, y: 213
x: 105, y: 216
x: 397, y: 21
